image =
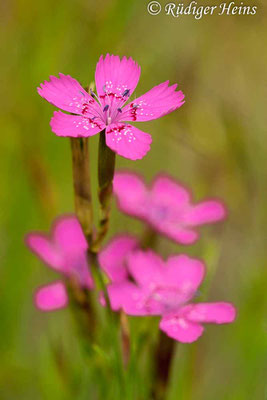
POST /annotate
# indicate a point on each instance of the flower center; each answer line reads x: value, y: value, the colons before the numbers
x: 169, y: 297
x: 158, y: 212
x: 163, y: 298
x: 107, y: 107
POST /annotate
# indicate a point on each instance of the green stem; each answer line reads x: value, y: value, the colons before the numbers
x: 83, y: 313
x: 106, y: 167
x: 113, y: 326
x: 81, y: 299
x: 163, y: 361
x: 92, y: 257
x: 82, y: 187
x: 149, y: 238
x: 125, y: 338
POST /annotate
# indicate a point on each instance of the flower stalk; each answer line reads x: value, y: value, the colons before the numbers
x: 81, y: 184
x: 125, y: 338
x: 163, y: 361
x: 81, y: 300
x: 106, y: 167
x: 83, y: 312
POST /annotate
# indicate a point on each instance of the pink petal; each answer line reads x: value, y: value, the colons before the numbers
x: 184, y: 272
x: 68, y: 233
x: 146, y: 267
x: 74, y: 125
x: 131, y: 193
x: 112, y: 257
x: 114, y: 76
x: 128, y: 141
x: 159, y: 101
x: 177, y: 233
x: 166, y: 191
x: 45, y: 249
x: 218, y: 313
x: 51, y: 297
x: 180, y: 329
x: 131, y: 299
x: 65, y: 93
x: 123, y: 295
x: 76, y: 266
x: 203, y: 213
x: 69, y: 237
x: 170, y: 205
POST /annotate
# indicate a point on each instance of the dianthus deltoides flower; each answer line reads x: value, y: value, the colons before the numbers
x: 115, y: 81
x: 64, y: 251
x: 166, y: 206
x: 156, y: 287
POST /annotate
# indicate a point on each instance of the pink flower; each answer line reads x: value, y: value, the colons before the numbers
x: 65, y: 251
x: 115, y: 81
x: 164, y: 288
x: 156, y: 287
x: 166, y: 206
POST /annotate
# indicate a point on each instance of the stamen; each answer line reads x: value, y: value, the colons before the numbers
x: 93, y: 94
x: 106, y: 108
x: 126, y: 93
x: 120, y: 110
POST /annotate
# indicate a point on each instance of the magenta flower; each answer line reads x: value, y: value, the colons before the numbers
x: 164, y: 288
x: 65, y: 252
x: 166, y: 206
x: 115, y: 81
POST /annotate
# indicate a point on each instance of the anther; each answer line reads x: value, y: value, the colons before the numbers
x: 106, y: 108
x: 120, y: 110
x: 126, y: 93
x: 92, y: 93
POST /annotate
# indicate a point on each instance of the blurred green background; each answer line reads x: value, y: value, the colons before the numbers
x: 216, y: 144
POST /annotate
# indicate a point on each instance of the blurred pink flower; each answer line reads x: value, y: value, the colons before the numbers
x: 166, y: 206
x: 156, y: 287
x: 115, y: 81
x: 65, y: 251
x: 164, y: 288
